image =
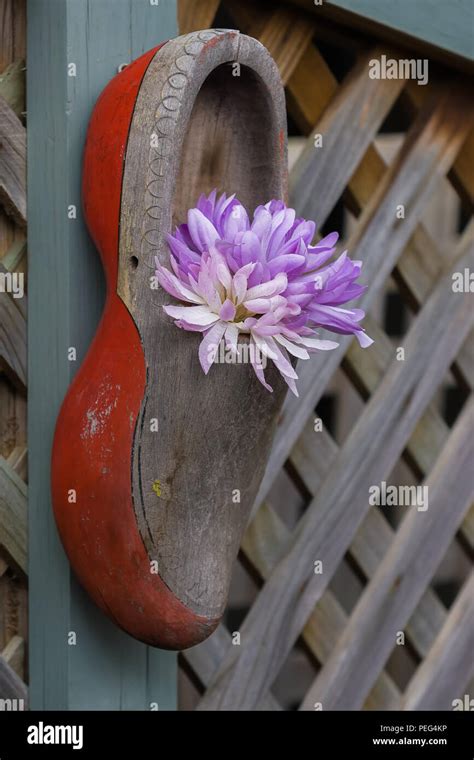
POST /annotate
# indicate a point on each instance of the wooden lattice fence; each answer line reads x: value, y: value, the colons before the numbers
x: 347, y: 650
x: 13, y: 461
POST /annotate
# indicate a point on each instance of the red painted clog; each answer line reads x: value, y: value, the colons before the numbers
x: 155, y: 465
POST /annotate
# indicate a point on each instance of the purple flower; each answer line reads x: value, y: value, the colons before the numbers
x: 262, y: 279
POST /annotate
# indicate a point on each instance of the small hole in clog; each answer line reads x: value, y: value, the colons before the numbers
x: 133, y: 262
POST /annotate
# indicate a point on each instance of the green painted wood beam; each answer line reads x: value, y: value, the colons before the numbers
x: 438, y: 28
x: 446, y: 24
x: 106, y: 668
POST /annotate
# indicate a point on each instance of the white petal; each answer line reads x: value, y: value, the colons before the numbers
x: 185, y: 293
x: 231, y: 337
x: 301, y: 353
x: 209, y: 345
x: 270, y: 288
x: 197, y: 315
x: 263, y: 346
x: 321, y: 345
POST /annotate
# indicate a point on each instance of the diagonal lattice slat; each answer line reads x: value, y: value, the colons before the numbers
x: 449, y: 660
x: 392, y: 594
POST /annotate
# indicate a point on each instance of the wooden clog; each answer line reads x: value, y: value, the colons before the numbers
x: 155, y: 465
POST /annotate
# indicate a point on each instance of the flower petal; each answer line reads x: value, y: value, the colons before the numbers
x: 227, y: 311
x: 175, y: 287
x: 320, y: 345
x: 209, y: 345
x: 363, y: 338
x: 292, y: 348
x: 202, y: 231
x: 195, y: 315
x: 271, y: 288
x: 231, y: 337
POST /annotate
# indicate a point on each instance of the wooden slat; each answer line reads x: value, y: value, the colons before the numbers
x: 13, y: 417
x: 373, y: 539
x: 18, y: 461
x: 392, y: 594
x: 12, y: 164
x: 267, y: 537
x: 428, y: 152
x: 204, y: 661
x: 12, y: 341
x: 250, y: 18
x: 13, y: 511
x: 366, y: 369
x: 7, y: 53
x: 11, y: 686
x: 14, y: 653
x: 3, y: 565
x: 312, y: 68
x: 15, y: 258
x: 348, y: 127
x: 328, y: 526
x: 264, y: 544
x: 12, y: 86
x: 462, y: 175
x: 422, y: 261
x: 286, y: 34
x: 194, y: 15
x: 448, y: 666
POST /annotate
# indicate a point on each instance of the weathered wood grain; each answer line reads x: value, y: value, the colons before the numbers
x: 6, y: 32
x: 12, y: 341
x: 11, y: 686
x: 307, y: 111
x: 373, y: 539
x: 12, y: 164
x: 264, y: 543
x: 266, y: 539
x: 193, y: 16
x: 13, y: 511
x: 400, y: 580
x: 445, y: 672
x: 461, y: 173
x: 14, y: 654
x: 366, y: 370
x: 12, y: 86
x: 12, y: 31
x: 286, y: 34
x: 15, y: 258
x: 18, y: 461
x: 205, y: 659
x: 422, y: 260
x: 327, y: 528
x: 13, y: 417
x: 348, y: 127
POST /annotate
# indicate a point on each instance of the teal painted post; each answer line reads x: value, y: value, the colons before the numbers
x: 105, y: 668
